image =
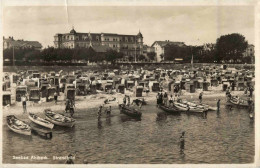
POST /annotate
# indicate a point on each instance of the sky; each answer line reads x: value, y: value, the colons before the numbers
x: 194, y: 25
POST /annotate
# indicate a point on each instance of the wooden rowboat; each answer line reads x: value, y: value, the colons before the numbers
x: 59, y: 119
x: 184, y: 107
x: 18, y: 126
x: 172, y: 110
x: 130, y: 111
x: 40, y: 121
x: 238, y: 102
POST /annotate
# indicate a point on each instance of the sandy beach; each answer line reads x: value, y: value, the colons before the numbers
x: 95, y: 100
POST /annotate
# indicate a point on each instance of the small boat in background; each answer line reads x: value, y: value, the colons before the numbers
x: 40, y: 121
x: 59, y: 119
x: 18, y: 126
x: 130, y: 111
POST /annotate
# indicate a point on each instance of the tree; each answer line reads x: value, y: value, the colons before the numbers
x: 172, y: 52
x: 142, y: 57
x: 151, y: 55
x: 112, y: 55
x: 230, y: 47
x: 33, y: 55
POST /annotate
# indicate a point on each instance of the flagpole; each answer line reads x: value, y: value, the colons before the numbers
x: 191, y: 59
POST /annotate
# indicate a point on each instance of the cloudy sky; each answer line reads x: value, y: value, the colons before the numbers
x: 192, y: 25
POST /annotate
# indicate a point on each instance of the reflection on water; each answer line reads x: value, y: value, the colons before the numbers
x: 226, y: 136
x: 125, y: 118
x: 161, y: 116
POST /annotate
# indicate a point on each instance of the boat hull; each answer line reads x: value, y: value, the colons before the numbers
x: 69, y: 124
x: 129, y: 112
x: 67, y: 121
x: 20, y: 131
x: 171, y: 110
x: 47, y: 125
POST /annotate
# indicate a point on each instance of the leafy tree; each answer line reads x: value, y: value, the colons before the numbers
x: 230, y: 47
x: 33, y: 55
x: 151, y: 55
x: 172, y: 52
x: 142, y: 57
x: 112, y: 55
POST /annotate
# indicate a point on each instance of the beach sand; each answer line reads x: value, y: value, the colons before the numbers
x: 94, y: 101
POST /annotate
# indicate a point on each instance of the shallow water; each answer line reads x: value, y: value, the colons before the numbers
x: 224, y: 137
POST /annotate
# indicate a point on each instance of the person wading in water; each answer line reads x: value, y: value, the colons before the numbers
x: 218, y: 105
x: 72, y: 105
x: 182, y: 142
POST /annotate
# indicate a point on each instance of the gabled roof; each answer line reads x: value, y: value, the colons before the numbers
x: 164, y: 43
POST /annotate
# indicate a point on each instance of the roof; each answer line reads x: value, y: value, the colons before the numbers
x: 100, y: 48
x: 140, y: 34
x: 21, y: 43
x: 73, y: 31
x: 99, y: 34
x: 167, y: 42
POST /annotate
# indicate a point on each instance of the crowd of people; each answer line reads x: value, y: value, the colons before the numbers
x: 165, y: 99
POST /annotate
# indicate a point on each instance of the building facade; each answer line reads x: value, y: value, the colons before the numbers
x: 129, y: 45
x: 20, y: 44
x: 159, y: 48
x: 250, y: 51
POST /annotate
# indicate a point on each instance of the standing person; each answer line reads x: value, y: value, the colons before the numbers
x: 171, y: 101
x: 251, y: 91
x: 55, y: 97
x: 147, y: 91
x: 158, y: 99
x: 165, y: 98
x: 218, y: 105
x: 128, y: 98
x: 67, y: 104
x: 99, y: 111
x: 161, y: 98
x: 124, y: 100
x: 200, y: 97
x: 175, y: 89
x: 233, y: 85
x: 24, y: 104
x: 182, y: 142
x: 72, y: 105
x: 61, y: 87
x: 245, y: 91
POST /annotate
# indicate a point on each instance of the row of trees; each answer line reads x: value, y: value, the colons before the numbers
x: 228, y: 48
x: 51, y: 54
